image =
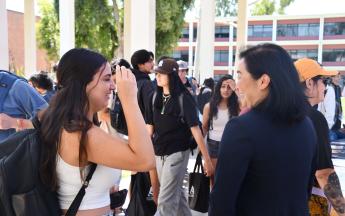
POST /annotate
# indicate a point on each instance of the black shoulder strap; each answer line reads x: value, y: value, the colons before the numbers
x: 36, y: 123
x: 72, y: 210
x: 180, y: 103
x: 153, y: 100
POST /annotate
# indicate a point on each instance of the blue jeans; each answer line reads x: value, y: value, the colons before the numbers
x: 336, y: 135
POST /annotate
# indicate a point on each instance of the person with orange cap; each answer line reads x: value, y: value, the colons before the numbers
x: 326, y: 189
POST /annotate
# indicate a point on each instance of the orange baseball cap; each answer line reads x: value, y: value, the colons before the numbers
x: 309, y: 68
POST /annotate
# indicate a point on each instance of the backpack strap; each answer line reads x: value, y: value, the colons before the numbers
x: 180, y: 103
x: 6, y: 82
x: 72, y: 210
x: 153, y: 100
x: 36, y: 122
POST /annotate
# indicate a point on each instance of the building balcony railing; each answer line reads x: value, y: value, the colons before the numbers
x: 281, y: 38
x: 325, y: 63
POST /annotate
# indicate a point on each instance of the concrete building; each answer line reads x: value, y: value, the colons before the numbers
x: 321, y: 37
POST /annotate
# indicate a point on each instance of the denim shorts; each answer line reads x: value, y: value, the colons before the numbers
x: 213, y: 147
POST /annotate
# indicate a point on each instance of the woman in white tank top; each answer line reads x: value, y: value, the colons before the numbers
x: 222, y: 107
x: 72, y: 140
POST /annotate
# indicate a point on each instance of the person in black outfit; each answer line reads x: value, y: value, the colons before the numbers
x: 172, y: 135
x: 326, y: 186
x: 266, y: 156
x: 205, y: 94
x: 142, y: 62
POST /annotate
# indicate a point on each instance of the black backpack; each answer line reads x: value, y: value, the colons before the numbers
x: 203, y: 98
x: 21, y: 189
x: 117, y: 116
x: 192, y: 143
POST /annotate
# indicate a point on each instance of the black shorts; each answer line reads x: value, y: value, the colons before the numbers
x: 213, y: 147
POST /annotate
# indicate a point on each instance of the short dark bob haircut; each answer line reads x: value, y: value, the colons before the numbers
x: 286, y: 101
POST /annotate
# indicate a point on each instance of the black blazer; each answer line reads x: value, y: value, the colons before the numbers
x: 264, y: 168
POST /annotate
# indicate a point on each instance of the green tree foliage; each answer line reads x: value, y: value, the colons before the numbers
x: 48, y: 30
x: 265, y: 7
x: 94, y: 27
x: 283, y: 5
x: 226, y: 8
x: 169, y: 23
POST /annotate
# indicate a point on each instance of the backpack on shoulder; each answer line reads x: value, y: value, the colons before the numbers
x: 22, y: 191
x: 117, y: 115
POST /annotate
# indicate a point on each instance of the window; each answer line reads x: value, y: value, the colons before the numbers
x: 217, y: 77
x: 185, y: 32
x: 333, y: 55
x: 180, y: 55
x: 298, y: 30
x: 303, y: 53
x: 334, y: 28
x: 314, y: 29
x: 221, y: 32
x: 221, y: 56
x: 260, y: 31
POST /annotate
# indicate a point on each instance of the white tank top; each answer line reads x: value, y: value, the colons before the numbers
x: 218, y: 125
x: 97, y: 193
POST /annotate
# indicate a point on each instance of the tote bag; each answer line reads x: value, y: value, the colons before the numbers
x: 199, y: 187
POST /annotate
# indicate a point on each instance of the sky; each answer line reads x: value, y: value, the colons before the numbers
x: 298, y: 7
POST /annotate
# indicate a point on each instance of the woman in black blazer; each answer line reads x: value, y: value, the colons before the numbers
x: 266, y: 156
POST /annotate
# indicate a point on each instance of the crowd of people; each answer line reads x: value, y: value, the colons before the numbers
x: 264, y: 137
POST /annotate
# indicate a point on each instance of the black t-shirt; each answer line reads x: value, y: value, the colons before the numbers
x: 324, y: 151
x: 171, y: 134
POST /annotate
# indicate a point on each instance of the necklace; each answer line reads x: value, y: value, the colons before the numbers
x: 166, y: 99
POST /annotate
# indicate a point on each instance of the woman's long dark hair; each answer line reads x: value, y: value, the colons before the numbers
x: 68, y: 108
x: 232, y: 101
x: 286, y: 101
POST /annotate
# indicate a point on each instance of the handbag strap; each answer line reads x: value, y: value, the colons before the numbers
x: 72, y: 210
x: 198, y: 164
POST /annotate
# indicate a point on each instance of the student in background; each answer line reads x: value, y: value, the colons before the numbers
x: 326, y: 186
x: 223, y: 106
x: 172, y: 139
